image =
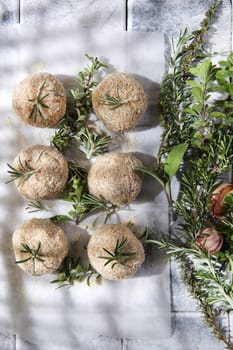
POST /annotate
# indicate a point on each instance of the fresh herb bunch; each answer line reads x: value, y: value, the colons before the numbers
x: 196, y: 146
x: 205, y: 279
x: 175, y: 93
x: 75, y: 129
x: 83, y: 203
x: 93, y: 141
x: 72, y: 271
x: 82, y: 97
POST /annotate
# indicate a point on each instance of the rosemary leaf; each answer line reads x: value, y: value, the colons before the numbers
x: 119, y: 255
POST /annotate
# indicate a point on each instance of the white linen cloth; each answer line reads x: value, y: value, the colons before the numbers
x: 31, y: 306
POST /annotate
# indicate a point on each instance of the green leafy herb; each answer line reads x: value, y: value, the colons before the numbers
x: 69, y: 131
x: 72, y: 271
x: 35, y: 206
x: 83, y: 203
x: 32, y: 255
x: 39, y: 103
x: 174, y: 159
x: 166, y: 171
x: 76, y: 170
x: 193, y: 116
x: 22, y: 173
x: 119, y: 255
x: 93, y: 143
x: 74, y: 128
x: 113, y: 102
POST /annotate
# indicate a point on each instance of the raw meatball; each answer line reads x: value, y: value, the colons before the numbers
x: 40, y: 100
x: 105, y: 239
x: 47, y: 239
x: 119, y: 102
x: 113, y: 178
x: 45, y: 172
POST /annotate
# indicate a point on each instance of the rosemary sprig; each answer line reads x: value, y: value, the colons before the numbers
x: 32, y: 254
x: 93, y: 143
x: 82, y: 96
x: 35, y: 206
x: 72, y: 271
x: 74, y: 129
x: 93, y: 204
x: 192, y: 116
x: 66, y: 133
x: 76, y: 170
x: 205, y: 279
x: 119, y: 255
x: 23, y: 173
x: 39, y: 103
x: 83, y: 203
x: 113, y: 102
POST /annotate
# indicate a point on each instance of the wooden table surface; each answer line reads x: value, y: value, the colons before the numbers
x: 168, y: 16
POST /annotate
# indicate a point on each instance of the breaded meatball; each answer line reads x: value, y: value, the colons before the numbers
x: 119, y: 101
x: 112, y: 177
x: 119, y: 241
x: 44, y: 172
x: 40, y: 100
x: 39, y: 246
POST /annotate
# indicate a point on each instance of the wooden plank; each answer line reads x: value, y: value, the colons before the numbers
x: 171, y: 16
x: 7, y: 341
x: 190, y: 333
x: 9, y: 12
x: 89, y: 13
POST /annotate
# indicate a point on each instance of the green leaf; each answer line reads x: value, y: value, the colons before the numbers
x: 202, y: 70
x: 224, y: 63
x: 152, y: 173
x: 190, y: 110
x: 230, y: 89
x: 221, y: 74
x: 217, y: 114
x: 197, y: 93
x: 174, y: 159
x: 194, y: 83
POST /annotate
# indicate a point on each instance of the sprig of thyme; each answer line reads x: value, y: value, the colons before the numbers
x: 32, y: 254
x: 72, y: 271
x: 21, y: 173
x: 119, y: 255
x: 39, y: 103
